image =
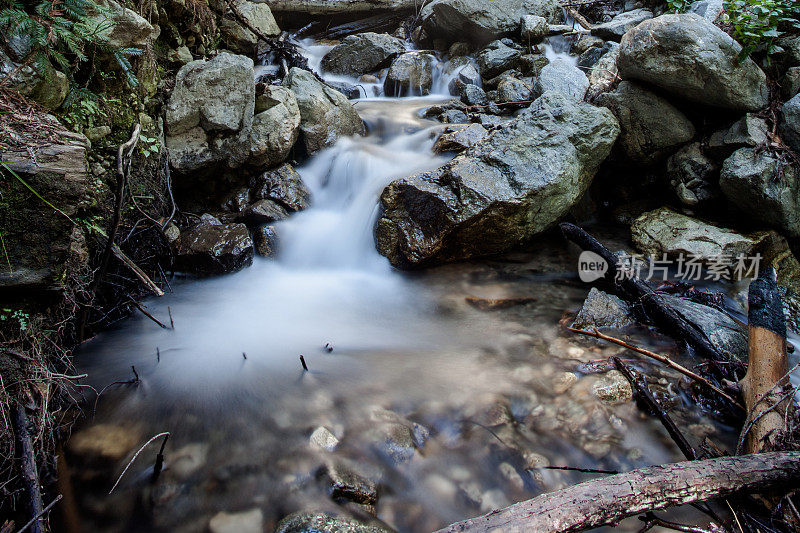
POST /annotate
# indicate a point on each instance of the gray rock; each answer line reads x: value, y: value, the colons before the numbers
x: 790, y: 56
x: 664, y: 231
x: 410, y: 74
x: 604, y: 73
x: 348, y: 483
x: 693, y: 176
x: 251, y: 521
x: 790, y: 123
x: 238, y: 36
x: 516, y: 183
x: 325, y: 113
x: 726, y: 334
x: 688, y: 56
x: 323, y: 439
x: 562, y: 77
x: 613, y: 388
x: 749, y: 131
x: 764, y: 188
x: 651, y: 126
x: 458, y: 49
x: 532, y: 64
x: 275, y: 130
x: 181, y: 55
x: 270, y: 96
x: 47, y: 88
x: 473, y: 95
x: 460, y: 139
x: 708, y: 9
x: 455, y: 116
x: 496, y: 58
x: 117, y: 26
x: 305, y: 522
x: 621, y: 24
x: 350, y: 91
x: 211, y: 248
x: 511, y: 89
x: 603, y: 310
x: 481, y: 21
x: 790, y: 84
x: 534, y: 29
x: 265, y: 241
x: 282, y: 185
x: 362, y: 53
x: 263, y: 212
x: 465, y: 75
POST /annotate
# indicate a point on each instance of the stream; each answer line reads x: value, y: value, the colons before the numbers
x: 489, y: 395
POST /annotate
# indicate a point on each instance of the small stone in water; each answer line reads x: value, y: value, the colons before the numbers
x: 323, y: 438
x: 564, y: 382
x: 251, y: 521
x: 613, y: 388
x: 351, y: 485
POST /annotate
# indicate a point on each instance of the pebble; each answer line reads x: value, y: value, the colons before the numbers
x: 251, y: 521
x: 323, y: 438
x: 613, y: 388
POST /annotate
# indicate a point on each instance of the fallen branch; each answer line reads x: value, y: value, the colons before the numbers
x: 43, y: 511
x: 609, y: 499
x: 661, y: 358
x: 148, y: 314
x: 138, y: 272
x: 29, y: 472
x: 580, y: 19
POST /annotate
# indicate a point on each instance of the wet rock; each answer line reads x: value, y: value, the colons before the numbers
x: 351, y: 91
x: 532, y: 64
x: 790, y: 123
x: 496, y: 58
x: 251, y: 521
x: 237, y: 200
x: 459, y: 49
x: 790, y: 83
x: 613, y: 388
x: 764, y: 188
x: 651, y: 126
x: 323, y: 438
x: 562, y: 77
x: 282, y: 185
x: 664, y: 231
x: 693, y: 176
x: 347, y: 483
x: 749, y: 131
x: 396, y: 441
x: 275, y: 129
x: 263, y: 212
x: 472, y: 95
x: 493, y: 499
x: 265, y: 241
x: 489, y: 121
x: 481, y: 21
x: 727, y: 335
x: 460, y: 139
x: 455, y: 116
x: 688, y: 56
x: 362, y: 53
x: 305, y: 522
x: 603, y: 310
x: 534, y: 29
x: 103, y: 444
x: 210, y: 112
x: 493, y: 304
x: 518, y: 182
x: 621, y: 24
x: 326, y: 114
x: 467, y: 75
x: 211, y: 248
x: 410, y: 74
x: 585, y: 42
x: 511, y: 89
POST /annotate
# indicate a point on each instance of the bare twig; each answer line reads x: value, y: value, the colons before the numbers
x: 43, y: 511
x: 166, y: 433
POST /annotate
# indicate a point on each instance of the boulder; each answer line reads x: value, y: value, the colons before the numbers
x: 465, y: 75
x: 496, y: 58
x: 603, y: 310
x: 117, y: 26
x: 748, y: 131
x: 516, y: 183
x: 238, y: 36
x: 764, y: 188
x: 337, y: 7
x: 210, y: 113
x: 664, y: 231
x: 460, y: 139
x: 274, y: 129
x: 47, y: 87
x: 481, y: 21
x: 604, y: 72
x: 562, y: 77
x: 263, y: 212
x: 325, y: 113
x: 348, y: 483
x: 251, y: 521
x: 614, y: 29
x: 613, y: 388
x: 473, y: 95
x: 362, y: 53
x: 790, y: 123
x: 790, y: 83
x: 651, y: 126
x: 693, y: 176
x: 690, y: 57
x: 282, y: 185
x: 511, y: 89
x: 725, y: 333
x: 45, y: 254
x: 305, y: 522
x: 211, y: 248
x: 265, y: 241
x: 708, y: 9
x: 532, y: 64
x: 534, y: 29
x: 410, y: 74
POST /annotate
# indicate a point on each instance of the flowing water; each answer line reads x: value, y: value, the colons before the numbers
x: 490, y: 396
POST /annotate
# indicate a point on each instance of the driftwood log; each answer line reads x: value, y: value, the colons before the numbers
x: 766, y: 383
x: 609, y: 499
x: 28, y: 470
x: 636, y: 290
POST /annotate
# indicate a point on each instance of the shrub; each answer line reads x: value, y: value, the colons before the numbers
x: 757, y: 24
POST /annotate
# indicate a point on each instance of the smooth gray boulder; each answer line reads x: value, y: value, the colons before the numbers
x: 688, y: 56
x: 511, y: 89
x: 238, y: 36
x: 362, y: 53
x: 410, y: 74
x: 764, y: 188
x: 651, y: 126
x: 518, y: 182
x: 562, y: 77
x: 614, y: 29
x: 325, y: 113
x: 790, y: 123
x: 693, y: 176
x: 664, y: 231
x: 481, y: 21
x: 117, y: 26
x: 274, y: 129
x: 496, y: 58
